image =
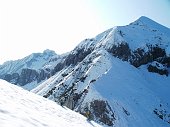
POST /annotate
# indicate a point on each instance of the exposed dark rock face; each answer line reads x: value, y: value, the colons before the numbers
x: 57, y: 68
x: 103, y: 112
x: 99, y: 111
x: 43, y: 75
x: 26, y: 76
x: 12, y: 78
x: 166, y: 61
x: 72, y: 59
x: 121, y: 51
x: 140, y: 57
x: 162, y: 114
x: 155, y: 69
x: 77, y: 57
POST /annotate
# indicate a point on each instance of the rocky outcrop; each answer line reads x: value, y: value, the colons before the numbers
x: 140, y: 57
x: 166, y: 61
x: 162, y: 113
x: 99, y: 111
x: 121, y: 51
x: 42, y: 75
x: 12, y: 78
x: 77, y: 56
x: 156, y: 69
x: 73, y: 58
x: 26, y: 76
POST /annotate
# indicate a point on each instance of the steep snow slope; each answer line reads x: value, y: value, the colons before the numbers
x: 130, y: 96
x: 22, y: 108
x: 135, y: 94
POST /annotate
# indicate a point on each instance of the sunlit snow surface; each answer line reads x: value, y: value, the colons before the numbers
x: 136, y: 90
x: 20, y: 108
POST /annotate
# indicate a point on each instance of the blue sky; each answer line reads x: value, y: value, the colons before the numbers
x: 36, y: 25
x: 120, y: 12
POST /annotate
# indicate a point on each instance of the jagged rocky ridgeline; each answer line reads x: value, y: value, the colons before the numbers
x: 107, y: 78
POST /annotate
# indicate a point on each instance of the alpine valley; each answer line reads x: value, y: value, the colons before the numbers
x: 120, y: 78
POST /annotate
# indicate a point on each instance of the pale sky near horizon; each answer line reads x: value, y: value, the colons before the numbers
x: 28, y: 26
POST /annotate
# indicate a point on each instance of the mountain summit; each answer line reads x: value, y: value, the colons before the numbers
x: 118, y: 78
x: 151, y: 23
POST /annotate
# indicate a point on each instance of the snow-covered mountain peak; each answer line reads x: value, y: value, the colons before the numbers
x: 144, y: 32
x: 147, y: 22
x: 49, y: 52
x: 46, y: 54
x: 139, y: 34
x: 33, y: 61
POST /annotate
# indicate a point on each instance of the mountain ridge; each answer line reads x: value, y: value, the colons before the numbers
x: 110, y: 77
x: 27, y: 61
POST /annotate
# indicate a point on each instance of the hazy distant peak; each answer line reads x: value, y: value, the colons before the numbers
x: 48, y: 51
x: 34, y: 61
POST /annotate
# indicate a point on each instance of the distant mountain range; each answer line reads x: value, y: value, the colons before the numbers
x: 119, y: 78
